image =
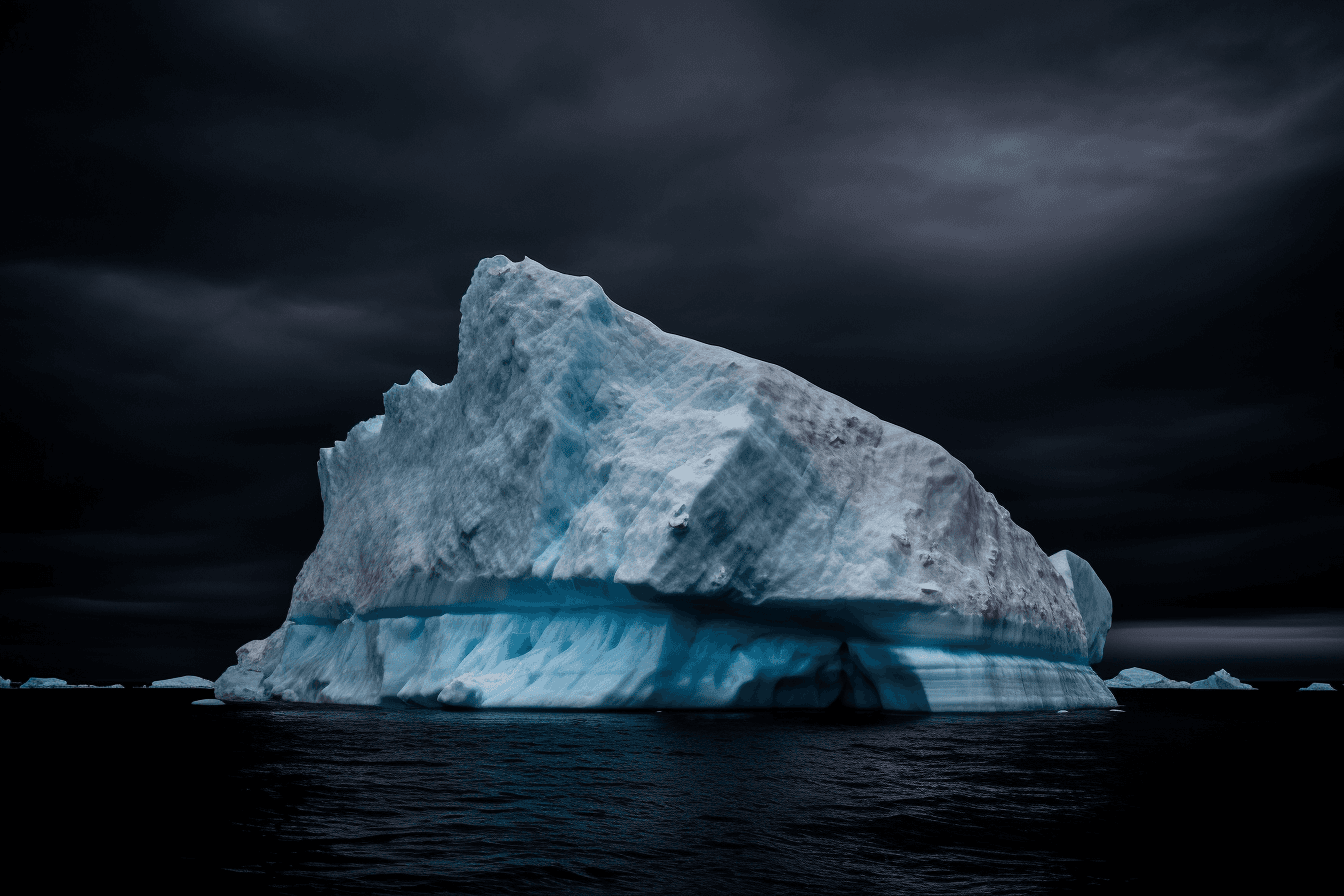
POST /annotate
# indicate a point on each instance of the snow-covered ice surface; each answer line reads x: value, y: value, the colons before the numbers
x: 1221, y: 681
x: 1134, y: 677
x: 1317, y: 686
x: 184, y: 681
x: 595, y: 513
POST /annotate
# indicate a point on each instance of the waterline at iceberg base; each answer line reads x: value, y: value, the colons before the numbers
x: 648, y: 657
x: 595, y: 514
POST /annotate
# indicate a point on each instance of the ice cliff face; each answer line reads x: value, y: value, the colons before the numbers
x: 597, y: 513
x: 1092, y: 598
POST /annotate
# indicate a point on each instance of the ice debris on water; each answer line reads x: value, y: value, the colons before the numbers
x: 184, y: 681
x: 1134, y: 677
x: 595, y: 513
x: 1221, y: 681
x: 209, y: 701
x: 1317, y: 686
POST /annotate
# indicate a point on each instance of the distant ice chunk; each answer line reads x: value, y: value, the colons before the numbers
x: 1221, y: 681
x: 208, y: 701
x: 45, y: 683
x: 1134, y: 677
x: 1318, y: 686
x: 4, y: 682
x: 184, y: 681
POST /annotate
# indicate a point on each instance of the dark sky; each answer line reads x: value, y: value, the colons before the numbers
x: 1092, y: 249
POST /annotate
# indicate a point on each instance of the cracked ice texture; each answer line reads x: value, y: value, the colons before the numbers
x: 598, y: 513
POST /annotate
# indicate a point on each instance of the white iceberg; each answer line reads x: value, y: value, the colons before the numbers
x: 184, y: 681
x: 44, y: 683
x: 1221, y: 681
x: 1134, y: 677
x: 1317, y: 686
x: 598, y: 514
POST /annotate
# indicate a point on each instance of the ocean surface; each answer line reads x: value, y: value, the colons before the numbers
x: 1205, y: 789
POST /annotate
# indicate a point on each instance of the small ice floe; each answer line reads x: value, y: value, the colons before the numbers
x: 45, y: 683
x: 209, y: 701
x: 184, y: 681
x: 1060, y: 711
x: 1117, y: 710
x: 1134, y: 677
x: 1222, y: 681
x: 1317, y: 686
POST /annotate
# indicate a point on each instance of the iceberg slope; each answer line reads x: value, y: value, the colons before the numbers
x: 596, y: 513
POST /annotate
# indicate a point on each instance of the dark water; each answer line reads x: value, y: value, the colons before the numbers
x: 1208, y: 788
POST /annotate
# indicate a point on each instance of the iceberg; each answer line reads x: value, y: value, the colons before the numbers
x: 1134, y: 677
x: 184, y: 681
x: 61, y: 683
x: 597, y: 514
x: 44, y: 683
x: 1221, y: 681
x: 4, y: 682
x: 1317, y: 686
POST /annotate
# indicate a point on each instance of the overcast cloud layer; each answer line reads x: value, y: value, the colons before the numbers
x: 1090, y: 249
